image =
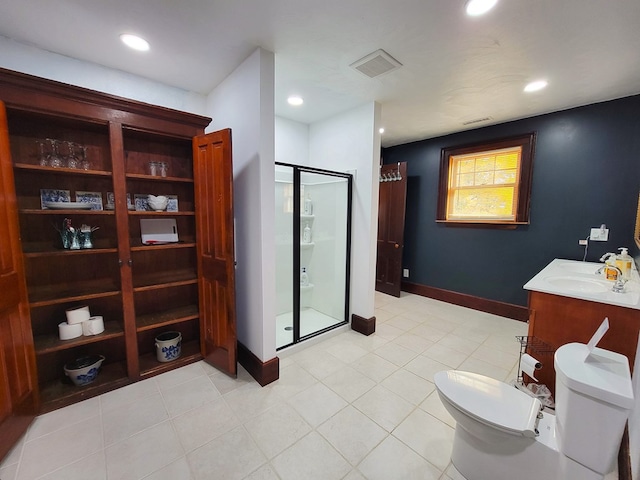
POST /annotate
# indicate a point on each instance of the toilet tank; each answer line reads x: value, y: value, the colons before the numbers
x: 594, y: 397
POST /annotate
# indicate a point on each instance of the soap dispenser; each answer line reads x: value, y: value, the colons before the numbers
x: 623, y: 262
x: 304, y: 278
x: 308, y: 205
x: 306, y: 234
x: 610, y: 261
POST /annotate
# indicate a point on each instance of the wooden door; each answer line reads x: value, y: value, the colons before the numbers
x: 17, y: 358
x: 391, y: 209
x: 213, y: 176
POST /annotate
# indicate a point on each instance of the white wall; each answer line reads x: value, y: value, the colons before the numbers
x: 346, y: 142
x: 244, y: 102
x: 292, y: 142
x: 31, y: 60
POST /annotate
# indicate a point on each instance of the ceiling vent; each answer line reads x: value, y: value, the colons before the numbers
x: 477, y: 120
x: 376, y: 64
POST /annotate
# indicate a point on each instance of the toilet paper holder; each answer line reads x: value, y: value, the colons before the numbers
x: 530, y: 346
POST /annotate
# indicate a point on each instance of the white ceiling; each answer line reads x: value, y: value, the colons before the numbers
x: 456, y: 69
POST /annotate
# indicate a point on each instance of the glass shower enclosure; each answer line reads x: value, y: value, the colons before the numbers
x: 313, y: 235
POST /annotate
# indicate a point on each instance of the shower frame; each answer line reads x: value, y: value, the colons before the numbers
x: 297, y: 210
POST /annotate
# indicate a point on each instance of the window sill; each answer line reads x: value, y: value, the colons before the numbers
x: 482, y: 224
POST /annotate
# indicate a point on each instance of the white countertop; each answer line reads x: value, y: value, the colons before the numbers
x: 574, y: 279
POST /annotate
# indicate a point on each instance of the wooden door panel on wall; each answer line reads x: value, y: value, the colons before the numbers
x: 391, y: 212
x: 17, y: 361
x: 213, y: 173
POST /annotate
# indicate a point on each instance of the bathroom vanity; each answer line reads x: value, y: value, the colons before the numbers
x: 567, y: 303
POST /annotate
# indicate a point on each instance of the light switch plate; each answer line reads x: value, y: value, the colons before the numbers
x: 599, y: 235
x: 405, y: 272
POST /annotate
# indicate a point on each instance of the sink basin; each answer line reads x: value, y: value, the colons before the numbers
x: 580, y: 267
x: 577, y: 284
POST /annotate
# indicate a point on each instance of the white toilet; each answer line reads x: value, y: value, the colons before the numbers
x: 502, y: 433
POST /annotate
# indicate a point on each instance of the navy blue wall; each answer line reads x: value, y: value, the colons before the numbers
x: 586, y: 172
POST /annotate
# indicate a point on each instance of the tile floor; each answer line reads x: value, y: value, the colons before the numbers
x: 348, y: 407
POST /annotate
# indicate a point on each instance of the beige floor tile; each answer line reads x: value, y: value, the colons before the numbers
x: 265, y: 472
x: 143, y: 453
x: 476, y: 365
x: 293, y: 379
x: 174, y: 471
x: 129, y: 394
x: 405, y: 321
x: 320, y: 364
x: 346, y: 351
x: 179, y: 375
x: 9, y: 472
x: 63, y: 417
x: 93, y: 465
x: 409, y: 386
x: 352, y: 434
x: 428, y: 332
x: 497, y: 357
x: 396, y: 354
x: 131, y: 418
x: 231, y: 456
x: 458, y: 343
x: 201, y: 425
x: 64, y: 446
x: 354, y: 475
x: 374, y: 367
x: 225, y: 384
x: 349, y: 383
x: 384, y: 407
x: 425, y: 367
x: 190, y: 394
x: 311, y: 458
x: 447, y: 356
x: 317, y: 404
x: 393, y: 460
x: 276, y: 429
x: 433, y: 406
x: 388, y: 332
x: 434, y: 447
x: 413, y: 342
x: 251, y: 400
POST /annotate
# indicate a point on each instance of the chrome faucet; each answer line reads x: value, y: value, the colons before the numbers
x: 618, y: 286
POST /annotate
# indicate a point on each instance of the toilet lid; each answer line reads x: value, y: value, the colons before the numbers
x: 490, y: 401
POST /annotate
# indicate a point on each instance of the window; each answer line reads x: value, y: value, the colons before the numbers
x: 488, y: 183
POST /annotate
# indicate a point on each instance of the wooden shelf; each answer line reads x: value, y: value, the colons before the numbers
x: 166, y: 246
x: 63, y: 293
x: 51, y: 343
x: 38, y: 211
x: 187, y: 213
x: 47, y: 251
x: 62, y: 392
x: 61, y: 170
x: 156, y: 178
x: 150, y: 366
x: 167, y: 317
x: 164, y: 280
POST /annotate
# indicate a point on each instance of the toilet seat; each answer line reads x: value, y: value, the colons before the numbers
x: 490, y: 401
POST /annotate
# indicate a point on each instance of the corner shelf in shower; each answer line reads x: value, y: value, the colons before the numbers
x: 306, y: 288
x: 306, y: 246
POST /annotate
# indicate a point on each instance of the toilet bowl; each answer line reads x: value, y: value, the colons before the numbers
x: 501, y: 432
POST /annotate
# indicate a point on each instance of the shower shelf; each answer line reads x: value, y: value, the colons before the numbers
x: 304, y: 246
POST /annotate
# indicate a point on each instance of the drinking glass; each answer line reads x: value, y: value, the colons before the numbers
x: 42, y: 156
x: 55, y: 160
x: 72, y: 160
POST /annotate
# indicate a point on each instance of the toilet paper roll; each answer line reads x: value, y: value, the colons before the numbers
x: 77, y: 315
x: 67, y: 332
x: 529, y: 365
x: 93, y: 326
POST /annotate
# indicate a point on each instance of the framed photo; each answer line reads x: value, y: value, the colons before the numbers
x: 53, y: 195
x: 111, y: 202
x: 94, y: 198
x: 172, y: 206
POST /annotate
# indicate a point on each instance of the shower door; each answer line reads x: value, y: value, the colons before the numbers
x: 312, y: 251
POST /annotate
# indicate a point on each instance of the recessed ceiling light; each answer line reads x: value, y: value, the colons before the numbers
x: 381, y: 130
x: 535, y: 86
x: 135, y: 42
x: 295, y: 100
x: 479, y: 7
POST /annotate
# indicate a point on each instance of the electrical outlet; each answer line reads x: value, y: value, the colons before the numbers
x: 599, y: 235
x: 583, y: 242
x: 405, y: 272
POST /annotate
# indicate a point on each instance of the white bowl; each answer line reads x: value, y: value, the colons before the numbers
x: 158, y: 203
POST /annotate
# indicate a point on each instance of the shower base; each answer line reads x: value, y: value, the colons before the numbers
x: 310, y: 321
